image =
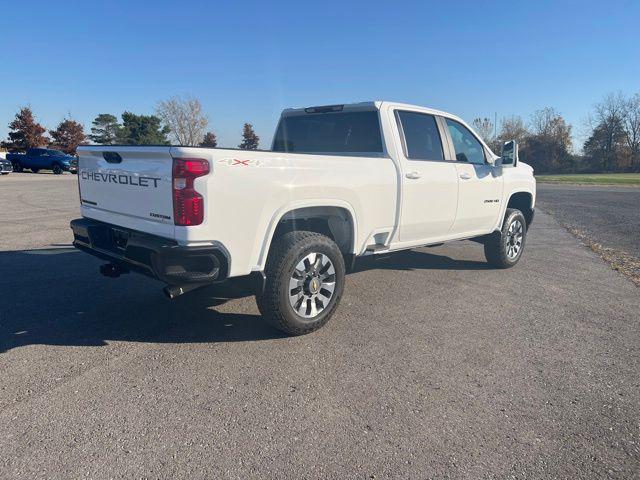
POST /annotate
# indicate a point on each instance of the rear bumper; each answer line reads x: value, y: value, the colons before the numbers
x: 154, y: 256
x: 6, y: 167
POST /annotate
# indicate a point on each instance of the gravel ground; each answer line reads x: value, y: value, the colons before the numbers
x: 608, y: 215
x: 434, y: 366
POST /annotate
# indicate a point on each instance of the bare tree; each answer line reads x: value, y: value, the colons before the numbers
x: 185, y: 119
x: 609, y: 116
x: 485, y: 128
x: 631, y: 126
x: 512, y: 128
x: 548, y: 147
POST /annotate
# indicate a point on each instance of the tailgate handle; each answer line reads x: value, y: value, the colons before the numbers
x: 112, y: 157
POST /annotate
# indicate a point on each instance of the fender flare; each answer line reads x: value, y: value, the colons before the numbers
x: 503, y: 210
x: 289, y: 207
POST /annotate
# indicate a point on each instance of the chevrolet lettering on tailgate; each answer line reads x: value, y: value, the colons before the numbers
x: 120, y: 178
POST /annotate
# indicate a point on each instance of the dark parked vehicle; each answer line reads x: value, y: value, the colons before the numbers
x: 37, y: 159
x: 5, y: 166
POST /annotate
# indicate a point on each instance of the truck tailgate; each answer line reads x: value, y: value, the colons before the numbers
x: 127, y: 186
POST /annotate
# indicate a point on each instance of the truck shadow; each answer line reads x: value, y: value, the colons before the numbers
x: 56, y: 297
x: 415, y: 260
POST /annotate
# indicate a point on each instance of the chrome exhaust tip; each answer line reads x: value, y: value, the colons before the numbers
x: 173, y: 291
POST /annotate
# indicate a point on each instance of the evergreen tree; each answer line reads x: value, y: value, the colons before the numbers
x: 68, y: 135
x: 105, y: 129
x: 142, y: 130
x: 210, y: 140
x: 250, y: 140
x: 25, y: 132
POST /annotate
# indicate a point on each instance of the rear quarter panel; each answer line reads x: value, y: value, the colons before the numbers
x: 20, y: 158
x: 248, y: 192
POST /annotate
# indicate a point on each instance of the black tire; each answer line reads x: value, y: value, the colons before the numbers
x: 57, y: 169
x: 17, y: 167
x: 35, y: 170
x: 285, y: 254
x: 500, y: 247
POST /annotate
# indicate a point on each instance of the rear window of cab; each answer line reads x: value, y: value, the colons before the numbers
x: 336, y: 132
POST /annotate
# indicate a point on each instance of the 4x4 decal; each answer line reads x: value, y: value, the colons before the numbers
x: 233, y: 162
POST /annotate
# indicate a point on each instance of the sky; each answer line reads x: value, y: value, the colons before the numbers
x: 246, y: 61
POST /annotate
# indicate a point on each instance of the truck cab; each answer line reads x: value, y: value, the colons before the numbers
x: 450, y: 185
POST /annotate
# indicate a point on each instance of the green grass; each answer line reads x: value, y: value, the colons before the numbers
x: 593, y: 178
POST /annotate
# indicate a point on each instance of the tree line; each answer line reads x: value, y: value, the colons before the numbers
x: 179, y: 121
x: 612, y: 144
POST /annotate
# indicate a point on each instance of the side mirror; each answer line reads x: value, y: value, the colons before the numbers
x: 510, y: 153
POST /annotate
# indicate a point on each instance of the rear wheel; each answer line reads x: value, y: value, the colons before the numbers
x: 504, y: 248
x: 35, y: 170
x: 57, y: 170
x: 305, y: 280
x: 17, y: 167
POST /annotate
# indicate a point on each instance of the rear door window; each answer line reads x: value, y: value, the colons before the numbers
x: 421, y: 136
x: 340, y: 132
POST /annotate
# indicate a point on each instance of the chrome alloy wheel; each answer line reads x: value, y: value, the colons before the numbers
x: 514, y: 239
x: 311, y: 285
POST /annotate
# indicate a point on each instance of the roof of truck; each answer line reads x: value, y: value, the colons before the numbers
x: 359, y: 106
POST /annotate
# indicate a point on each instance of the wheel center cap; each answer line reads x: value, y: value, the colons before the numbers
x: 314, y: 285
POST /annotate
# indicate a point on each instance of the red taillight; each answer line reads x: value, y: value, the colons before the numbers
x: 188, y: 205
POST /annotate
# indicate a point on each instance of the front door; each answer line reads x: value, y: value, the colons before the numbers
x: 480, y: 187
x: 429, y: 182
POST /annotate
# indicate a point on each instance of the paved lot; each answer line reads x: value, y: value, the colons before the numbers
x: 433, y: 367
x: 607, y: 214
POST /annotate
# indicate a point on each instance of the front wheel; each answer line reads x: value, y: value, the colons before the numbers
x: 35, y: 170
x: 504, y: 248
x: 17, y: 167
x: 305, y: 280
x: 57, y: 170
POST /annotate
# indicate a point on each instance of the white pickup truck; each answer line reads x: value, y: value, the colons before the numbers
x: 339, y: 182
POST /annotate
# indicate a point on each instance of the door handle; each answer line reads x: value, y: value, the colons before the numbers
x: 412, y: 175
x: 465, y: 176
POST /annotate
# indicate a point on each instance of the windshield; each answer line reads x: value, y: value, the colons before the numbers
x: 57, y: 153
x: 342, y: 132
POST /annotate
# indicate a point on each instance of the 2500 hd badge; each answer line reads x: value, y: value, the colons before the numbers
x: 119, y: 178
